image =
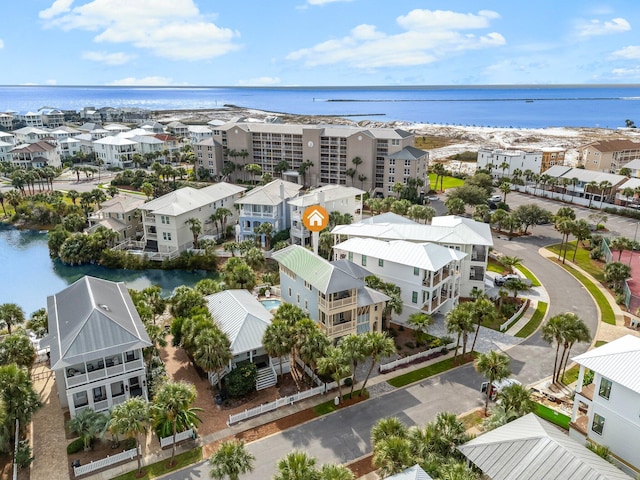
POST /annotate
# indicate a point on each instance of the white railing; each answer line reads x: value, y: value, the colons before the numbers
x: 385, y: 367
x: 180, y: 437
x: 514, y: 317
x: 105, y: 462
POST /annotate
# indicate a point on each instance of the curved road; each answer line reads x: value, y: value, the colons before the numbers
x: 344, y: 435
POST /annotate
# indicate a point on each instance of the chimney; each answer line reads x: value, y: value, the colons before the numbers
x: 321, y: 197
x: 282, y: 190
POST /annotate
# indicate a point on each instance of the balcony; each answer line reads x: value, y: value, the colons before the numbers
x: 328, y: 305
x: 100, y: 369
x: 581, y: 424
x: 588, y: 391
x: 339, y: 329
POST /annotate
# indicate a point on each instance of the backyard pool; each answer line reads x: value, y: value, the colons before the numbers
x: 271, y: 304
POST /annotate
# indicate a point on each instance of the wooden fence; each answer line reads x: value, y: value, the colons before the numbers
x: 432, y: 352
x: 106, y: 462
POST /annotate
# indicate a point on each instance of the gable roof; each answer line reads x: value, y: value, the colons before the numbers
x: 617, y: 145
x: 241, y: 316
x: 530, y: 448
x: 270, y: 194
x: 92, y: 318
x: 618, y: 360
x: 411, y: 473
x: 428, y: 256
x: 583, y: 175
x: 321, y: 274
x: 121, y: 204
x: 327, y: 193
x: 408, y: 153
x: 448, y: 229
x: 187, y: 199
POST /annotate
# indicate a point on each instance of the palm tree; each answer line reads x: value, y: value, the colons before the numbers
x: 231, y: 460
x: 511, y: 262
x: 297, y: 465
x: 615, y: 273
x: 354, y: 351
x: 222, y: 214
x: 17, y: 348
x: 11, y: 314
x: 336, y: 472
x: 582, y: 232
x: 603, y: 186
x: 483, y: 309
x: 89, y: 425
x: 195, y: 225
x: 266, y: 229
x: 459, y: 320
x: 554, y: 331
x: 591, y: 187
x: 392, y: 456
x: 378, y: 345
x: 495, y: 367
x: 276, y: 340
x: 516, y: 285
x: 131, y: 418
x: 314, y: 347
x: 516, y: 398
x: 212, y: 351
x: 420, y: 322
x: 335, y: 365
x: 386, y: 428
x: 565, y: 226
x: 576, y: 332
x: 620, y: 244
x: 172, y: 400
x: 505, y: 188
x: 302, y: 170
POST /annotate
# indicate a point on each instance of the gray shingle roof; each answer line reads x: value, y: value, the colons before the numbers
x: 92, y: 318
x: 530, y: 448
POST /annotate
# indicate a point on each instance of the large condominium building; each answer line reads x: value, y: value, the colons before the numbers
x: 373, y: 159
x: 608, y: 156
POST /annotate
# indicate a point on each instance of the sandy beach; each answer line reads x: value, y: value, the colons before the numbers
x: 461, y: 138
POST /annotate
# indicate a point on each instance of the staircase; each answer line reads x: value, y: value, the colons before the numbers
x: 266, y: 378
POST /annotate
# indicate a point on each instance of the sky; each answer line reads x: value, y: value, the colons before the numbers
x: 318, y: 42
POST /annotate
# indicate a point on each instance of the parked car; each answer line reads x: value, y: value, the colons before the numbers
x: 497, y: 386
x: 495, y: 198
x: 500, y: 280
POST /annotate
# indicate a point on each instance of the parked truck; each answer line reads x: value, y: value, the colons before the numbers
x: 497, y: 386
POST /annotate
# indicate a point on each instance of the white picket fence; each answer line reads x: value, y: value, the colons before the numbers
x: 514, y: 317
x: 168, y: 441
x: 412, y: 358
x: 105, y: 462
x: 280, y: 402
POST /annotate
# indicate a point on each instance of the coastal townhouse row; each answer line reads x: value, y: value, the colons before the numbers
x: 504, y: 162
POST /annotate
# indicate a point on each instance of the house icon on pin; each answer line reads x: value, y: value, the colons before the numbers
x: 315, y: 218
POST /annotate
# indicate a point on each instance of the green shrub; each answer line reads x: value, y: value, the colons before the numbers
x: 409, y: 345
x: 24, y: 454
x: 242, y: 380
x: 348, y: 382
x: 76, y: 446
x: 596, y: 254
x: 620, y: 298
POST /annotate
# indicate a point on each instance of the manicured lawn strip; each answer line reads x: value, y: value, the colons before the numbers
x: 495, y: 266
x: 605, y: 308
x: 527, y: 273
x: 426, y: 372
x: 599, y: 343
x: 328, y: 407
x: 553, y: 416
x: 571, y: 375
x: 583, y: 260
x: 449, y: 182
x: 536, y: 319
x: 159, y: 468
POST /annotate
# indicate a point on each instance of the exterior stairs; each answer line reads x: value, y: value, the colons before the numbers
x: 266, y: 378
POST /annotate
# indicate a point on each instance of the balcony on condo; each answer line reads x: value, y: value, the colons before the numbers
x: 338, y: 325
x: 437, y: 277
x: 105, y: 367
x: 339, y: 299
x: 258, y: 211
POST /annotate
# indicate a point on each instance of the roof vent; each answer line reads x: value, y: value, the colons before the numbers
x: 104, y: 307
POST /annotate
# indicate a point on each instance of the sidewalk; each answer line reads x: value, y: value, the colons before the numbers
x: 376, y: 386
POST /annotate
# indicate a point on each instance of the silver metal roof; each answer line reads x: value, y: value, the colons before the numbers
x: 619, y: 361
x: 90, y: 319
x: 187, y: 199
x: 584, y: 175
x: 427, y: 256
x: 273, y: 193
x: 241, y: 316
x: 411, y: 473
x: 329, y: 192
x: 530, y: 448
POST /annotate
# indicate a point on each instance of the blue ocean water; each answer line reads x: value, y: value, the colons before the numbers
x: 532, y: 106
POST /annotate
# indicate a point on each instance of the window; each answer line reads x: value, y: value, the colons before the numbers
x: 392, y: 170
x: 407, y: 162
x: 407, y: 171
x: 380, y: 262
x: 605, y: 388
x: 416, y: 271
x: 395, y: 141
x: 392, y: 161
x: 414, y: 297
x: 164, y: 219
x: 289, y: 291
x: 364, y: 260
x: 598, y: 424
x: 350, y: 256
x: 166, y: 236
x: 99, y: 394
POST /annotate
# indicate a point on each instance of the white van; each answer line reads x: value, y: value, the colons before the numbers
x: 497, y: 386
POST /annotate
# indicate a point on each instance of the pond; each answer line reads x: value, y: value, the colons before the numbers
x: 28, y: 275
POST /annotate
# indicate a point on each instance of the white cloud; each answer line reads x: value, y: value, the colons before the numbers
x: 596, y: 27
x: 146, y: 81
x: 259, y: 81
x: 51, y: 82
x: 173, y: 29
x: 118, y: 58
x: 430, y: 35
x: 631, y: 52
x: 628, y: 73
x: 58, y: 7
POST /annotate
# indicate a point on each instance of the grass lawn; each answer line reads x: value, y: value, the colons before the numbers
x: 553, y: 416
x: 527, y: 273
x: 599, y: 343
x: 159, y: 468
x: 330, y: 406
x: 592, y: 267
x: 605, y: 308
x: 571, y: 375
x: 428, y: 371
x: 448, y: 182
x: 495, y: 266
x: 533, y: 324
x: 472, y: 419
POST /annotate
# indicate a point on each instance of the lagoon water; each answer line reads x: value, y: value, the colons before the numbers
x: 520, y: 106
x: 28, y: 275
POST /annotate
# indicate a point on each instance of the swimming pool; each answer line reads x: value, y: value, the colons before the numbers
x: 271, y: 304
